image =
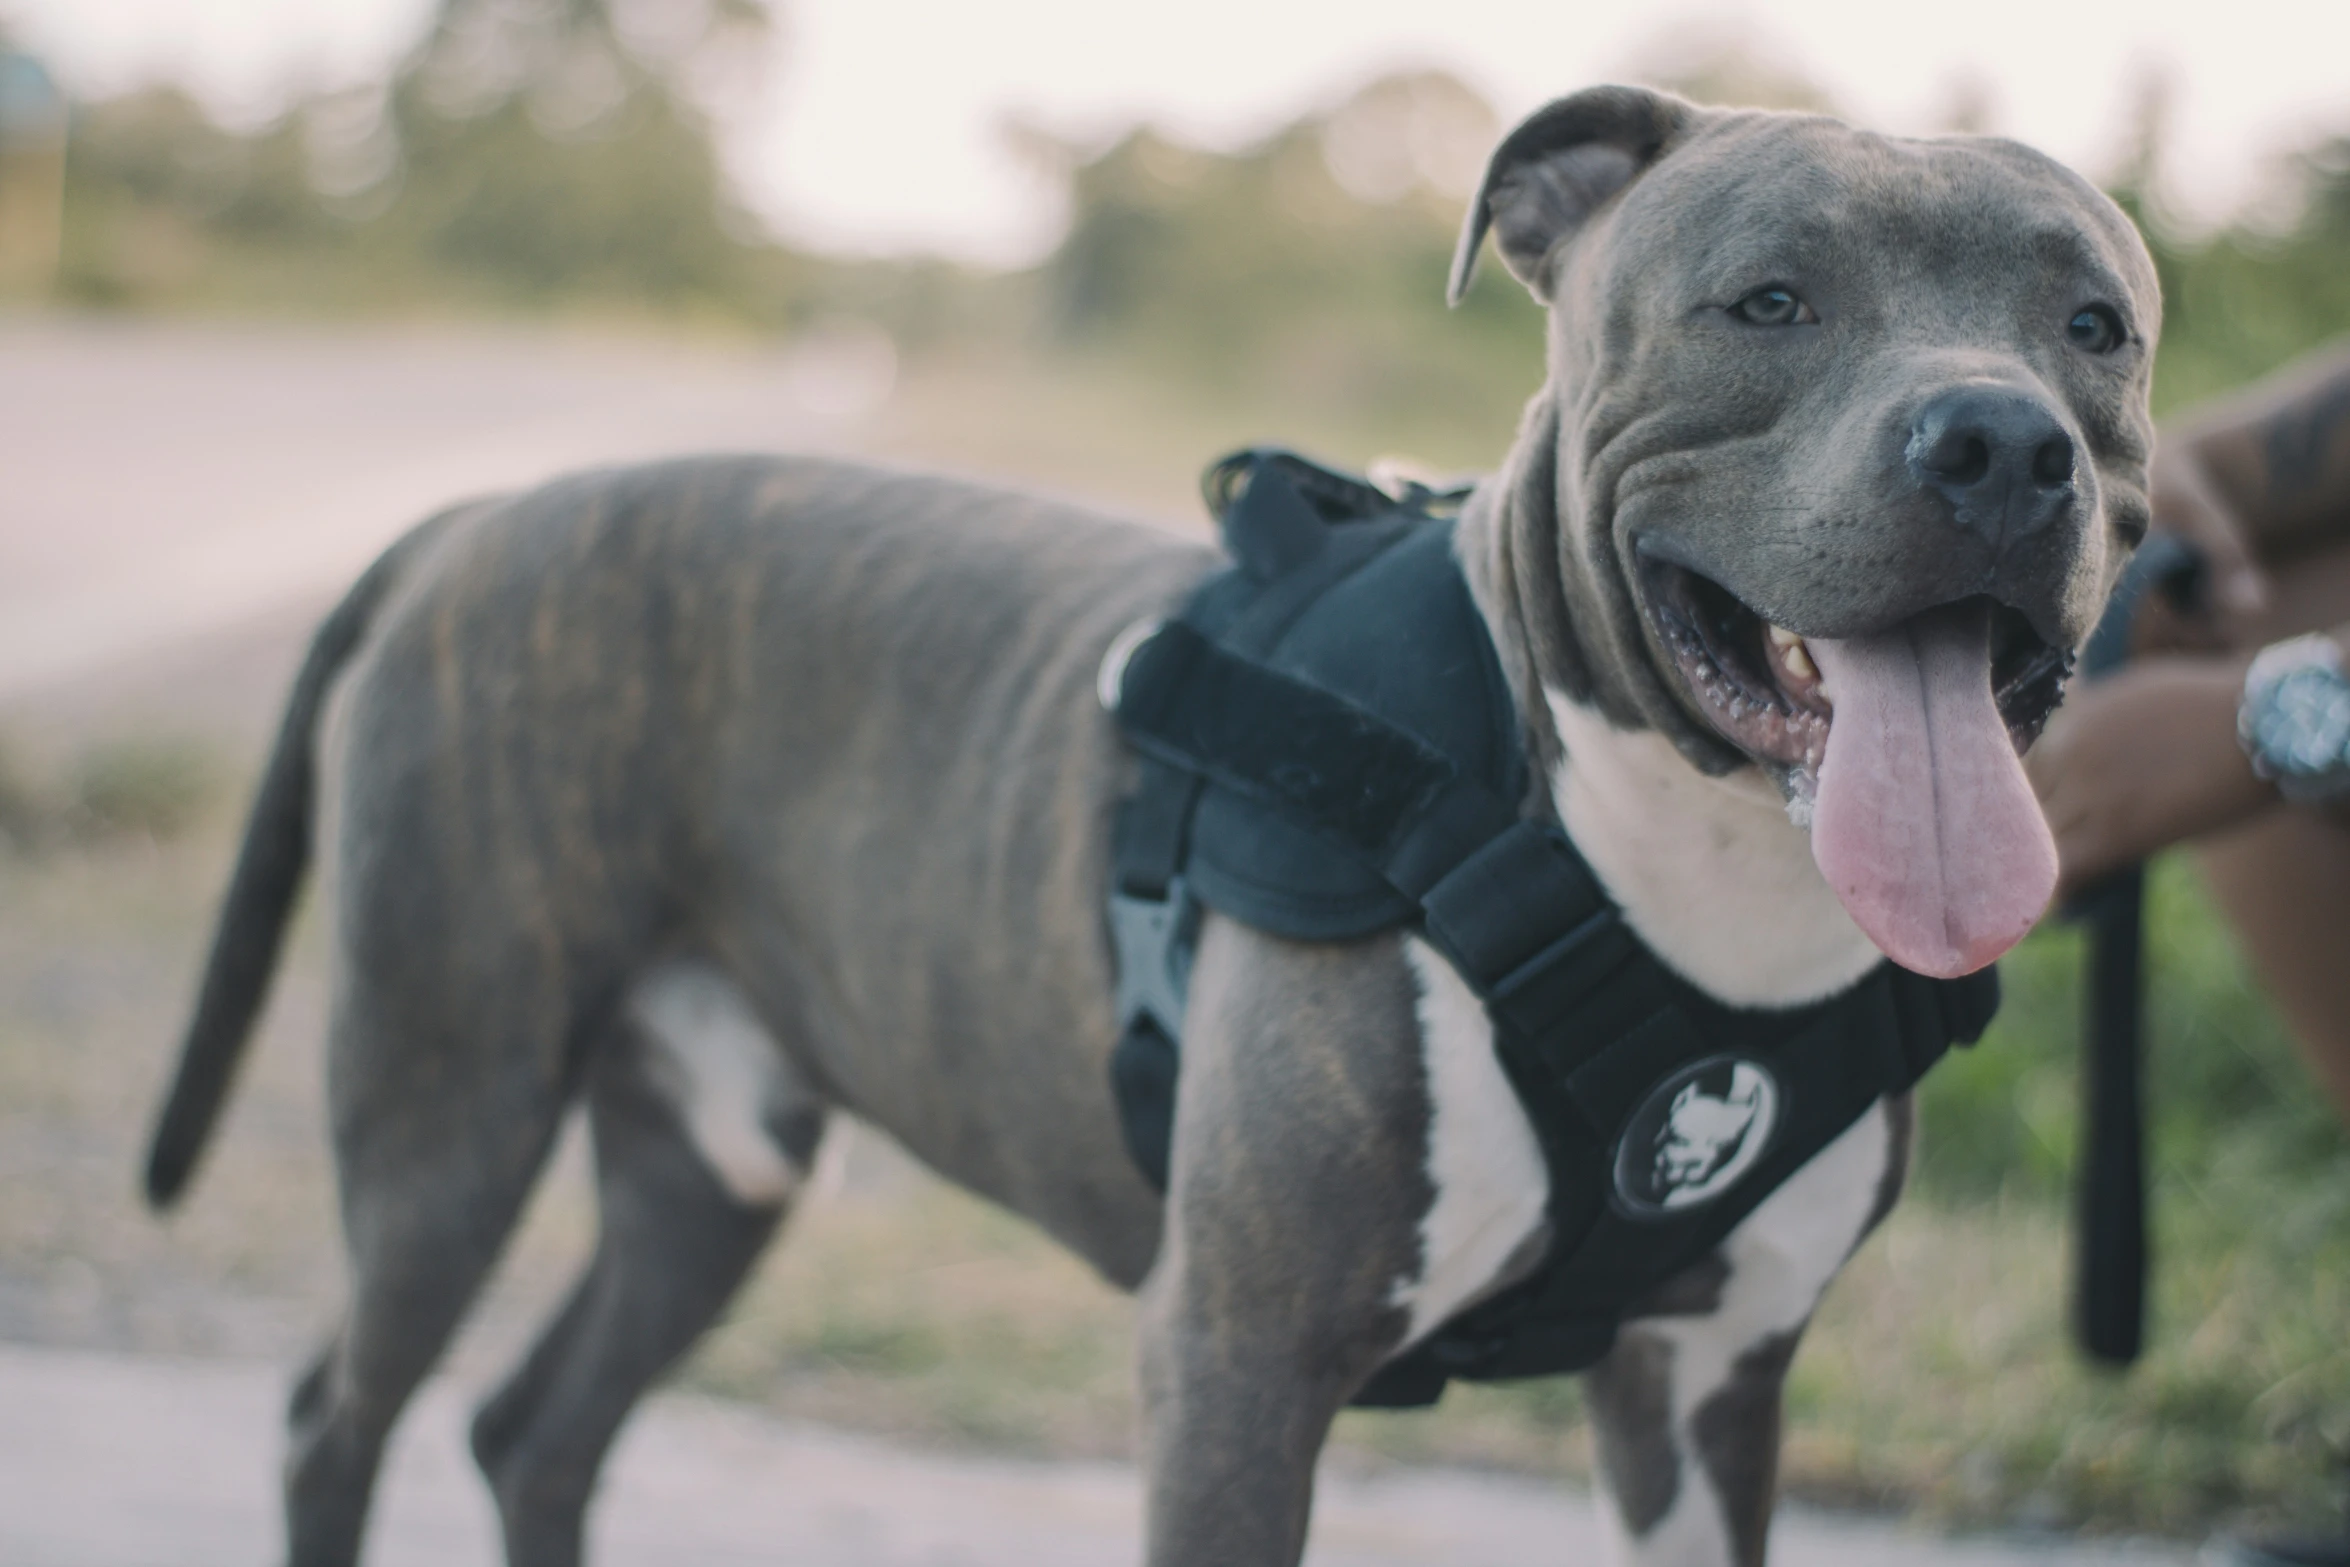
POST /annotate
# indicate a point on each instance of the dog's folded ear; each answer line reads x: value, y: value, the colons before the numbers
x: 1558, y: 167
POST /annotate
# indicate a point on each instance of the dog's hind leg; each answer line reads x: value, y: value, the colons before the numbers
x: 444, y: 1113
x: 701, y: 1132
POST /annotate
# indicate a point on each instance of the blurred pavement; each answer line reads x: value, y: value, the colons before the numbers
x: 116, y: 1461
x: 162, y: 479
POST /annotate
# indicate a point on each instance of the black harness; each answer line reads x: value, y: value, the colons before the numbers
x: 1329, y: 749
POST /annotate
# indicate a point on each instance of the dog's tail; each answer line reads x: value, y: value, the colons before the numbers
x: 260, y: 901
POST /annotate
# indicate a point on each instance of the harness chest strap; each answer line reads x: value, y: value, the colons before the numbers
x: 1664, y: 1117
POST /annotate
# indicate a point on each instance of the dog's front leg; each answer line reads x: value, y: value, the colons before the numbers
x: 1686, y: 1406
x: 1236, y: 1405
x: 1687, y: 1422
x: 1299, y: 1178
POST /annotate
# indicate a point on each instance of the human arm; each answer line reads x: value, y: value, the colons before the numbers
x: 2146, y: 759
x: 2142, y: 760
x: 2261, y: 477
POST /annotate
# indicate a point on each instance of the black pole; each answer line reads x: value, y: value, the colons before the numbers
x: 2109, y: 1282
x: 2109, y: 1222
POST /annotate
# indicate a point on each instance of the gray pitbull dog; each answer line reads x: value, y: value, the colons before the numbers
x: 721, y: 795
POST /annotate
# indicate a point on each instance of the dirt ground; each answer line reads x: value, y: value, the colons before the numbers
x: 109, y: 1462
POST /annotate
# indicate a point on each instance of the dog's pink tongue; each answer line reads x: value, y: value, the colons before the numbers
x: 1925, y: 824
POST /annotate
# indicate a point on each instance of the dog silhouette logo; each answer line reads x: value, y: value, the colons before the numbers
x: 1695, y: 1136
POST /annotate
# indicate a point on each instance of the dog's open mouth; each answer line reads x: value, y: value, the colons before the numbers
x: 1759, y: 685
x: 1754, y: 681
x: 1898, y: 748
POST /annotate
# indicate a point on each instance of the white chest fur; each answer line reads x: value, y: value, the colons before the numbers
x: 1709, y: 871
x: 1483, y: 1162
x: 1719, y: 883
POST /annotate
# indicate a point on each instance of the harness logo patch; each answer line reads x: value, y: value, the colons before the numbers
x: 1695, y: 1135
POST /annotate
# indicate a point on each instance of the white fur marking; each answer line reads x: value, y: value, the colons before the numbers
x: 1692, y: 1533
x: 1781, y: 1259
x: 721, y: 1071
x: 1492, y: 1187
x: 1708, y: 871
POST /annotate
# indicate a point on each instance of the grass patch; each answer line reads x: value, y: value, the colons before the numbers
x: 149, y: 787
x: 918, y: 1310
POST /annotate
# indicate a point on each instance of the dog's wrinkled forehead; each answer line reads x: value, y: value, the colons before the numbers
x: 1686, y: 189
x: 1872, y: 225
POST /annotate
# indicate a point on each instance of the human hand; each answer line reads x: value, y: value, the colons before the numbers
x: 2143, y: 760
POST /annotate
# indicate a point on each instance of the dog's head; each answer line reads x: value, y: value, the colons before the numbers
x: 1843, y: 441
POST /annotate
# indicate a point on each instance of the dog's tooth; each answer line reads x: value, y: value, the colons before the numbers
x: 1792, y: 653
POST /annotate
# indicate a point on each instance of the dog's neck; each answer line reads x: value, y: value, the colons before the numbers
x: 1709, y: 871
x: 1516, y: 587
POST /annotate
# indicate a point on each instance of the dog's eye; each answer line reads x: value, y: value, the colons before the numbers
x: 2096, y: 330
x: 1773, y: 307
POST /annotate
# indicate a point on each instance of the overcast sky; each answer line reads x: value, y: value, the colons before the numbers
x: 881, y: 133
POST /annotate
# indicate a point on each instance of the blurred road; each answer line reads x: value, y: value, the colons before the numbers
x: 113, y: 1461
x: 162, y: 479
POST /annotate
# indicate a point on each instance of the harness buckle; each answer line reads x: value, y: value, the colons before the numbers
x: 1154, y: 938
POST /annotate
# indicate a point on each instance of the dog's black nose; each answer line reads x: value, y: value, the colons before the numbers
x: 1999, y: 457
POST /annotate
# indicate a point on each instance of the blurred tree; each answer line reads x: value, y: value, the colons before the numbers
x: 154, y: 191
x: 32, y: 173
x: 552, y: 144
x: 1738, y: 68
x: 2240, y: 300
x: 1309, y: 266
x: 525, y: 153
x: 1970, y: 103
